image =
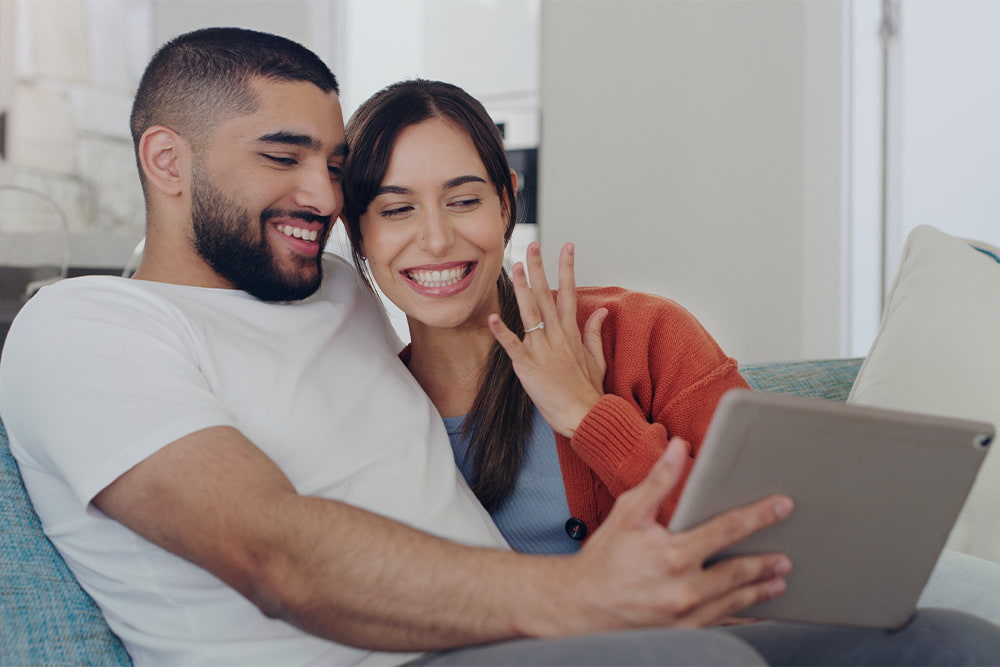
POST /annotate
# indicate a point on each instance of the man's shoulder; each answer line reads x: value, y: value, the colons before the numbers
x: 339, y: 271
x: 73, y: 294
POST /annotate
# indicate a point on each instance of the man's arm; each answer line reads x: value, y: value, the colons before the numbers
x: 358, y: 578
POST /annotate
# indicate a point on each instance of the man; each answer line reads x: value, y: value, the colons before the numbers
x: 235, y: 466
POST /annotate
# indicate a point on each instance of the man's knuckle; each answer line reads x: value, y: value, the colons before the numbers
x: 685, y: 602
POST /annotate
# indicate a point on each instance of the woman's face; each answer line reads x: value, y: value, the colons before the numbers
x: 434, y: 234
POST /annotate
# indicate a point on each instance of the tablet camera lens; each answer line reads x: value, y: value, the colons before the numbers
x: 983, y: 441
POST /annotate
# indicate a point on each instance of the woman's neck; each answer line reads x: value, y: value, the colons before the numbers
x: 448, y: 364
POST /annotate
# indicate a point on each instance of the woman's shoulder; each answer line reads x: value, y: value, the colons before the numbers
x: 619, y: 298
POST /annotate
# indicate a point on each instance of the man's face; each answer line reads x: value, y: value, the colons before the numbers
x: 266, y: 190
x: 233, y: 240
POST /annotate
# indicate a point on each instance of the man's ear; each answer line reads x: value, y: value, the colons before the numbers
x: 162, y: 154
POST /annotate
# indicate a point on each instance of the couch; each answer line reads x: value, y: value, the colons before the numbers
x: 46, y: 618
x: 936, y: 351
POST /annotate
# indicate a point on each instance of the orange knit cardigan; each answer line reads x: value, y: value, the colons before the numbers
x: 665, y: 377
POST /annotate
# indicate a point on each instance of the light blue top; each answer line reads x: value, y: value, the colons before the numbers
x: 533, y: 518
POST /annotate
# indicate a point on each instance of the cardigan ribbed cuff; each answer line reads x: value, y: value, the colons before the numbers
x: 608, y: 434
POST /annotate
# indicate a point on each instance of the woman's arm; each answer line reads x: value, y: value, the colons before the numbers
x: 665, y: 377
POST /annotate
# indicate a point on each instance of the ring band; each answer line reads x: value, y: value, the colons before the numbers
x: 540, y: 325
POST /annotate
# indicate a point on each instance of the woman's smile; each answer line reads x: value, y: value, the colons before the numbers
x: 440, y: 279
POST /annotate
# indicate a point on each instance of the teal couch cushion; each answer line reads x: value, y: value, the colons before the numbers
x: 45, y: 617
x: 815, y: 378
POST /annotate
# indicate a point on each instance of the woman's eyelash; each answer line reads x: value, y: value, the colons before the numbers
x: 393, y: 212
x: 472, y: 202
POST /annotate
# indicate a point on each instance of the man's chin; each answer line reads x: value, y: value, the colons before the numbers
x: 303, y: 284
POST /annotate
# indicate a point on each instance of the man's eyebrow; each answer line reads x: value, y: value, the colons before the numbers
x: 290, y: 139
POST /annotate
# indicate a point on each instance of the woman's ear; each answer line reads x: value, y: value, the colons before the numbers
x: 509, y: 231
x: 161, y: 156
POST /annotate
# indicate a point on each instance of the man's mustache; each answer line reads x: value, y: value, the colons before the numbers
x: 305, y: 216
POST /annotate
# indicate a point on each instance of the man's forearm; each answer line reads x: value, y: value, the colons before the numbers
x: 385, y: 586
x: 361, y: 579
x: 330, y: 568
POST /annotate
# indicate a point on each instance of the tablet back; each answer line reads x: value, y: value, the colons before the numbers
x: 876, y: 493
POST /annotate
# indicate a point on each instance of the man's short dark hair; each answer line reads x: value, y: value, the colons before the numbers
x: 201, y: 78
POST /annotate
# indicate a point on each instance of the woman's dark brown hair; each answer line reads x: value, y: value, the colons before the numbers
x: 500, y: 419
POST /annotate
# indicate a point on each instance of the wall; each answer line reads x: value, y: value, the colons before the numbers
x: 944, y: 113
x: 78, y: 62
x: 68, y: 132
x: 693, y: 151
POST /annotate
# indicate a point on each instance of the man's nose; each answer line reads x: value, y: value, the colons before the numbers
x: 318, y: 192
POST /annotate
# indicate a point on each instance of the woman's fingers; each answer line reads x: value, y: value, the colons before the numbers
x: 531, y: 315
x: 540, y: 286
x: 566, y: 305
x: 593, y: 343
x: 508, y: 339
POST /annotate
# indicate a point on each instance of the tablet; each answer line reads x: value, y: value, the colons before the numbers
x: 876, y: 493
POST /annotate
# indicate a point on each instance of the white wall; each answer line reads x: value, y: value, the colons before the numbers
x: 692, y: 149
x: 945, y: 111
x: 7, y: 23
x: 289, y: 18
x: 73, y: 77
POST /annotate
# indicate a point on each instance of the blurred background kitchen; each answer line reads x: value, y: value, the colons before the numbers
x: 759, y: 161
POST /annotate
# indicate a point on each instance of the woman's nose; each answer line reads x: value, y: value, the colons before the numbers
x: 435, y: 234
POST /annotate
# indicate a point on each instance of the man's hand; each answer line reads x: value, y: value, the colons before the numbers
x: 633, y: 572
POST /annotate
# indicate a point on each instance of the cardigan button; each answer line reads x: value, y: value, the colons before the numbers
x: 576, y: 529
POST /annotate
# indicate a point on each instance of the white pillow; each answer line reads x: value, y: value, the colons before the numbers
x: 938, y: 351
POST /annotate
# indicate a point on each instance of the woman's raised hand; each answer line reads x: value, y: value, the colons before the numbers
x: 561, y: 368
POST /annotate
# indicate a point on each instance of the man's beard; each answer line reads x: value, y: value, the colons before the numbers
x: 224, y: 237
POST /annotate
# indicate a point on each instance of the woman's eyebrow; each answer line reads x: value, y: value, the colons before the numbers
x: 393, y: 190
x: 460, y: 180
x: 448, y: 185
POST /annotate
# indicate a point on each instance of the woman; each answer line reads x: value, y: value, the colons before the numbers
x: 430, y: 207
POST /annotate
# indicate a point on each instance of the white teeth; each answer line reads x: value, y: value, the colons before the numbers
x: 299, y: 233
x: 438, y: 278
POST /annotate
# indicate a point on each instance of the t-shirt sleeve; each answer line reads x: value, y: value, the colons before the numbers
x: 95, y: 380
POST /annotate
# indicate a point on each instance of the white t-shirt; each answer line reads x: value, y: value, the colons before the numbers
x: 100, y: 372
